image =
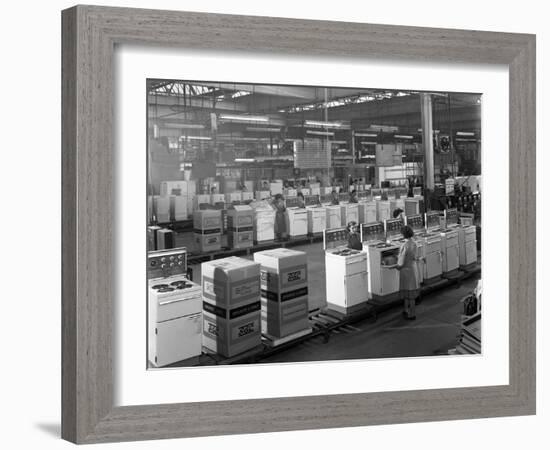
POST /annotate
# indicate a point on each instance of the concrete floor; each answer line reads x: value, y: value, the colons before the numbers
x: 435, y: 331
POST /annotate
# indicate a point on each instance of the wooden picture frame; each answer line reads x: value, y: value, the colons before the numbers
x: 90, y: 34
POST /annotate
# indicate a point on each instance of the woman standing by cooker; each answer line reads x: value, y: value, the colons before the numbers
x: 408, y: 280
x: 280, y: 220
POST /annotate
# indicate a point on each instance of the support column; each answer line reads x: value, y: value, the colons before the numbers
x: 427, y: 140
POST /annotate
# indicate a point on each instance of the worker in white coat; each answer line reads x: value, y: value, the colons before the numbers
x: 408, y: 275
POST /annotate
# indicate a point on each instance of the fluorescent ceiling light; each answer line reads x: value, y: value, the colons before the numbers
x: 318, y: 123
x: 196, y: 126
x: 243, y: 118
x: 240, y: 94
x: 402, y: 136
x: 339, y: 142
x: 386, y: 128
x: 435, y: 131
x: 267, y: 130
x: 197, y: 138
x: 366, y: 135
x: 465, y: 133
x: 244, y: 160
x: 320, y: 133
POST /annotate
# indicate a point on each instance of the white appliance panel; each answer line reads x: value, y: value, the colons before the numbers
x: 178, y: 339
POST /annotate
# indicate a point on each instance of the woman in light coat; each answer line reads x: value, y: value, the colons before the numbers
x: 408, y: 275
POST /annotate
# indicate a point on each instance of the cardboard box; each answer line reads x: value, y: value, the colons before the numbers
x: 162, y: 209
x: 178, y: 207
x: 231, y: 305
x: 165, y: 239
x: 240, y: 227
x: 284, y: 288
x: 152, y: 237
x: 207, y: 229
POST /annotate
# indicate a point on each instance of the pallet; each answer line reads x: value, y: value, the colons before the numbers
x: 379, y: 300
x: 248, y: 355
x: 273, y: 341
x: 452, y: 274
x: 344, y: 312
x: 470, y: 267
x: 432, y: 280
x: 189, y: 362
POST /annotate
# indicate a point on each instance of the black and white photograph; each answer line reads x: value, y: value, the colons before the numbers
x: 291, y: 223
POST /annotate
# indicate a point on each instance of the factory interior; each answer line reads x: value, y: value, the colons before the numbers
x: 299, y: 223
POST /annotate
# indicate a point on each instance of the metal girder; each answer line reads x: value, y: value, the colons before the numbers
x: 427, y: 133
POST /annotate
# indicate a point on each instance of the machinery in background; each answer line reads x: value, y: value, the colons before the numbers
x: 449, y: 241
x: 284, y: 293
x: 316, y: 215
x: 240, y: 226
x: 346, y: 273
x: 296, y: 218
x: 383, y: 281
x: 231, y: 305
x: 174, y: 328
x: 207, y: 228
x: 432, y: 247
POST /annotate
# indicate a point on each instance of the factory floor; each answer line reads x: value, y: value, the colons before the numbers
x: 436, y: 329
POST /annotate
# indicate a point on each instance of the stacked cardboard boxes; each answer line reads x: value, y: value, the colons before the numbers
x: 231, y: 305
x: 240, y: 226
x: 284, y: 291
x: 207, y: 227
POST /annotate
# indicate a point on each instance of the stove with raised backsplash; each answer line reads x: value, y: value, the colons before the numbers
x: 431, y: 240
x: 346, y: 273
x: 381, y: 256
x: 174, y: 310
x: 449, y: 240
